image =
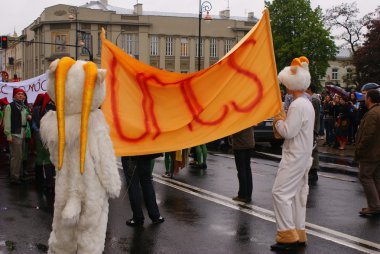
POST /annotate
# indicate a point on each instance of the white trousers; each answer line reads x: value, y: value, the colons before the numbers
x: 290, y: 191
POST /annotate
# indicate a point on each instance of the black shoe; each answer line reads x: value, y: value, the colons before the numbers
x: 133, y: 223
x: 159, y: 220
x: 204, y: 166
x: 245, y: 200
x: 285, y: 246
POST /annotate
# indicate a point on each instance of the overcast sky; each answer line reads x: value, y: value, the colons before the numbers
x: 17, y: 14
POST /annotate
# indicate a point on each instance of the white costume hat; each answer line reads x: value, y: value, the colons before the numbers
x: 296, y: 77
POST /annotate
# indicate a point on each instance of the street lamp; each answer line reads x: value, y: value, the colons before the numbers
x: 74, y: 15
x: 81, y: 44
x: 117, y: 37
x: 203, y: 7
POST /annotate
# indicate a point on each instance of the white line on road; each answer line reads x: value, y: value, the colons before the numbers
x: 312, y: 229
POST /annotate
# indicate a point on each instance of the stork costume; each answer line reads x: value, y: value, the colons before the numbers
x: 88, y: 173
x: 291, y: 188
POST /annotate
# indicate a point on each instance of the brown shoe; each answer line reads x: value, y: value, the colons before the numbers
x: 367, y: 211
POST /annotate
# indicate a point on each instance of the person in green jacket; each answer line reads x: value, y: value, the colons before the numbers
x: 16, y: 117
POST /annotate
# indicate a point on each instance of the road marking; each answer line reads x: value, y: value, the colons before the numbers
x: 268, y: 215
x: 321, y: 163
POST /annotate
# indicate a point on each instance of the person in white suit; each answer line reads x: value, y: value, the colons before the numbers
x: 88, y: 173
x: 290, y: 189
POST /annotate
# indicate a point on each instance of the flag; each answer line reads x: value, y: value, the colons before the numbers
x: 151, y: 110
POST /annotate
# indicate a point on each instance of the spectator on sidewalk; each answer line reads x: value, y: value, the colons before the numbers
x: 328, y: 118
x: 315, y: 100
x: 137, y: 170
x: 342, y: 123
x: 16, y: 117
x: 242, y: 144
x: 353, y: 127
x: 368, y: 153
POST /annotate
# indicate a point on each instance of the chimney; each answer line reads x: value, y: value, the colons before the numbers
x: 251, y: 16
x: 104, y: 2
x: 138, y: 10
x: 225, y: 14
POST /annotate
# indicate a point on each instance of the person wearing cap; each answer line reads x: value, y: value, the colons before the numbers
x: 367, y: 152
x: 290, y: 189
x: 362, y: 108
x: 16, y: 117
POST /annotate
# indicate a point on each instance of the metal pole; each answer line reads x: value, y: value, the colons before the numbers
x: 74, y: 14
x: 205, y: 6
x: 199, y: 35
x: 76, y: 36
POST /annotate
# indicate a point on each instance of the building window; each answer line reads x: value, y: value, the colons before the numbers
x: 130, y: 44
x: 349, y: 74
x: 213, y: 48
x: 60, y: 40
x: 169, y: 46
x: 227, y: 45
x: 334, y: 74
x: 154, y: 45
x: 184, y: 47
x: 201, y: 47
x: 87, y: 40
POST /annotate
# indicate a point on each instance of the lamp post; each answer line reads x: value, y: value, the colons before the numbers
x: 82, y: 45
x: 74, y: 15
x: 117, y: 37
x: 203, y: 7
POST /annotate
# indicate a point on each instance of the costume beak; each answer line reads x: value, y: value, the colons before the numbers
x: 63, y: 68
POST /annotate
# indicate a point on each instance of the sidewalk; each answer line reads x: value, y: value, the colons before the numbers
x: 348, y: 152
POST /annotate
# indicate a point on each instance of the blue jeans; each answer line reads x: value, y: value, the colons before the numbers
x: 243, y: 166
x: 139, y: 180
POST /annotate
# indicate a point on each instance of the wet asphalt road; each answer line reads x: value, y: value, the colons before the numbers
x: 200, y: 215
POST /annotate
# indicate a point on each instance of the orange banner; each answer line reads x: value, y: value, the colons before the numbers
x: 151, y: 110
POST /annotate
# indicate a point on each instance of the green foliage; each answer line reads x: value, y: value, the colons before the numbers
x: 367, y: 57
x: 298, y: 30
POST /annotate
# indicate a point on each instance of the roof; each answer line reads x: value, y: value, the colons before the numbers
x: 344, y: 53
x: 97, y: 5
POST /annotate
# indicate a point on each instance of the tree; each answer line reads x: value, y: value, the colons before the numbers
x: 344, y: 18
x: 367, y: 58
x: 298, y: 30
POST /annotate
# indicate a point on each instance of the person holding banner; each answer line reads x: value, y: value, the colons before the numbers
x: 16, y: 117
x: 290, y: 189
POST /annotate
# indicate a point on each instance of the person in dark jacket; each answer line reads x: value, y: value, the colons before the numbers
x: 328, y: 118
x: 138, y: 173
x: 16, y: 117
x: 242, y: 144
x: 367, y: 152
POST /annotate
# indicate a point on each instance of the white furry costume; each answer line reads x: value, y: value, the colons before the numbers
x: 81, y: 201
x: 291, y: 188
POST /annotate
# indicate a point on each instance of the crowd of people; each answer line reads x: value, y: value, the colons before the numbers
x: 20, y: 137
x: 339, y: 115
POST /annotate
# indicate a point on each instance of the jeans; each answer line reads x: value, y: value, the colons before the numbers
x: 139, y: 181
x: 329, y: 127
x: 243, y: 166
